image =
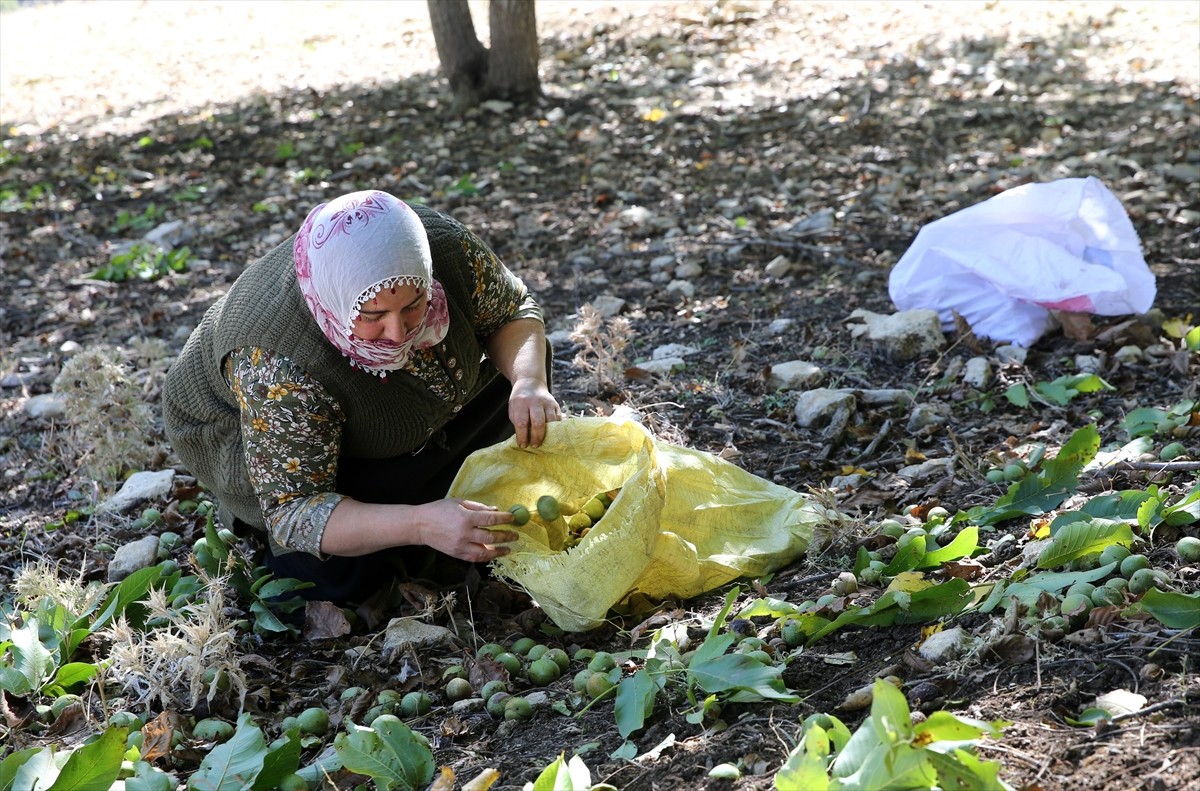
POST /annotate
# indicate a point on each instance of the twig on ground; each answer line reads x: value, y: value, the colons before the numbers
x: 1174, y: 703
x: 874, y: 443
x: 790, y: 584
x: 1147, y: 466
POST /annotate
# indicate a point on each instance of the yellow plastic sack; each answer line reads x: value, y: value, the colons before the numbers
x: 684, y: 521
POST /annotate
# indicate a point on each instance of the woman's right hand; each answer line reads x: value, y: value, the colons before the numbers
x: 458, y: 528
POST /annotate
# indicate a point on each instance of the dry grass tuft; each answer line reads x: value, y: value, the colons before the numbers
x: 602, y: 346
x: 39, y: 582
x: 192, y: 657
x: 110, y: 426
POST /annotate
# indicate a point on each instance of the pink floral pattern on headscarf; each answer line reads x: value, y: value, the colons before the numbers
x: 350, y: 249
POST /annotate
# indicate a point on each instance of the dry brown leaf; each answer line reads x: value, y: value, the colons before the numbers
x: 858, y: 700
x: 483, y: 670
x: 323, y: 620
x: 1077, y: 326
x: 966, y: 569
x: 454, y: 726
x: 156, y: 735
x: 1012, y: 649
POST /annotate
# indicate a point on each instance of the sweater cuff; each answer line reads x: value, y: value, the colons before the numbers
x: 298, y: 525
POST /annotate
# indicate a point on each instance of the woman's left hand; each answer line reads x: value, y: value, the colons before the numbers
x: 530, y: 408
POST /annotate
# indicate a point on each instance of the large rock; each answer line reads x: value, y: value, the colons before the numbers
x: 405, y: 634
x: 48, y: 406
x: 794, y: 375
x: 132, y: 557
x: 905, y: 335
x: 824, y: 407
x: 139, y: 487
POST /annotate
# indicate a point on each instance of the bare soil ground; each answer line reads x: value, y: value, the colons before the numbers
x: 730, y: 122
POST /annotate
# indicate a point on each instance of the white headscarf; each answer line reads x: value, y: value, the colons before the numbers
x: 350, y: 249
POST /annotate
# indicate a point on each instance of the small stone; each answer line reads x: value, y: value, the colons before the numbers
x: 663, y: 366
x: 977, y: 373
x: 684, y: 287
x: 538, y: 698
x: 823, y: 406
x: 70, y: 348
x: 132, y: 557
x: 49, y: 406
x: 846, y: 483
x: 1089, y: 364
x: 497, y: 106
x: 19, y: 380
x: 794, y: 375
x: 943, y: 646
x: 405, y: 633
x: 635, y: 217
x: 662, y: 262
x: 671, y: 350
x: 468, y: 706
x: 778, y: 266
x: 780, y: 326
x: 1128, y: 354
x: 925, y: 415
x: 560, y: 339
x: 1011, y: 355
x: 608, y: 306
x: 688, y: 270
x: 168, y: 235
x: 926, y: 471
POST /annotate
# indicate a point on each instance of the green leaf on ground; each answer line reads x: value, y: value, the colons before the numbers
x: 95, y: 765
x: 963, y: 545
x: 893, y: 607
x: 234, y: 765
x: 388, y: 753
x: 635, y: 702
x: 1082, y: 539
x: 747, y: 679
x: 1171, y: 609
x: 1184, y: 512
x: 1049, y: 487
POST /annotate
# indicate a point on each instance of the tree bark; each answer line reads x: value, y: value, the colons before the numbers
x: 464, y: 59
x: 513, y: 60
x: 507, y: 70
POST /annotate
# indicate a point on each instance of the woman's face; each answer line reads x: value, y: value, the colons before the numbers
x: 392, y: 314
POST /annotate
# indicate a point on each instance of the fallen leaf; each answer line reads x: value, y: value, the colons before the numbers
x: 1077, y: 326
x: 444, y: 781
x: 966, y: 569
x: 858, y: 700
x: 1012, y: 649
x: 482, y: 781
x: 156, y: 735
x: 323, y: 620
x: 483, y: 670
x: 909, y: 582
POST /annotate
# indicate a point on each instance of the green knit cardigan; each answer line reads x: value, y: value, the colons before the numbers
x: 265, y: 308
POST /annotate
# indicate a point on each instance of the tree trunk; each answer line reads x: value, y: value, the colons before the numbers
x: 464, y: 59
x: 513, y: 60
x: 508, y: 70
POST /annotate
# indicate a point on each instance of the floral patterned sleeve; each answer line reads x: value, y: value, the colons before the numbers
x: 499, y: 296
x: 291, y: 433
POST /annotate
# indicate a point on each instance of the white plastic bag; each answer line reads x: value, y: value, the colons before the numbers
x: 1005, y: 263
